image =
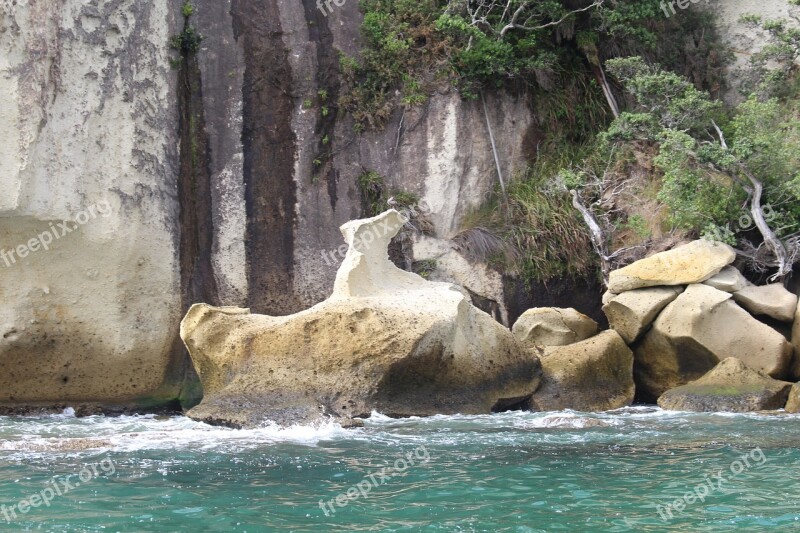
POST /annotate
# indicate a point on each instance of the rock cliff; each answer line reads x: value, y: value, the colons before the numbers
x: 208, y: 166
x: 222, y: 177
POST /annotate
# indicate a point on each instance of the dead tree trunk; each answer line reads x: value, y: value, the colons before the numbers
x: 771, y: 240
x: 494, y: 146
x: 600, y: 75
x: 596, y: 234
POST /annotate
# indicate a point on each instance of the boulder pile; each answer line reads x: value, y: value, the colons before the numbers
x: 696, y: 326
x: 730, y: 386
x: 591, y: 375
x: 688, y: 331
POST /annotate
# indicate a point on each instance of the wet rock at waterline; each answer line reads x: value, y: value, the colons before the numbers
x: 773, y: 301
x: 793, y: 403
x: 551, y: 326
x: 632, y: 312
x: 691, y: 263
x: 697, y: 330
x: 730, y: 386
x: 592, y: 375
x: 385, y: 340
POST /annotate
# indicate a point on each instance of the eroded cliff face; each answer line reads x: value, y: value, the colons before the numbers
x: 211, y: 174
x: 295, y: 167
x: 89, y: 277
x: 223, y: 183
x: 746, y: 39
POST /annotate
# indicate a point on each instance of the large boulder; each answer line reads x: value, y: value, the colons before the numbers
x: 385, y: 340
x: 552, y: 326
x: 729, y: 279
x: 793, y: 403
x: 691, y: 263
x: 632, y: 312
x: 730, y: 386
x: 592, y: 375
x: 771, y: 300
x: 695, y: 332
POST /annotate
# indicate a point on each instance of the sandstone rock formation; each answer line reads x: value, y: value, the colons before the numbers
x: 745, y: 39
x: 632, y: 312
x: 697, y: 330
x: 385, y: 340
x: 771, y: 300
x: 729, y: 280
x: 550, y: 326
x: 730, y: 386
x: 89, y: 270
x: 591, y: 375
x: 691, y: 263
x: 91, y: 114
x: 276, y: 239
x: 484, y: 284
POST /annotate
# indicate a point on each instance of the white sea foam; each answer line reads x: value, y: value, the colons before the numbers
x: 64, y: 434
x: 566, y: 420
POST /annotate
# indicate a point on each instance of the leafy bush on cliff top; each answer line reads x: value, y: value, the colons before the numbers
x: 413, y: 49
x: 706, y: 153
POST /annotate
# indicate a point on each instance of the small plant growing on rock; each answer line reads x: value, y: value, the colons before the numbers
x: 187, y: 42
x: 425, y: 268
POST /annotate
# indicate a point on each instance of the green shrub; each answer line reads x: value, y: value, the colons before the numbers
x: 415, y: 47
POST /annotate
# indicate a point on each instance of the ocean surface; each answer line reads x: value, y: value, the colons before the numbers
x: 637, y: 469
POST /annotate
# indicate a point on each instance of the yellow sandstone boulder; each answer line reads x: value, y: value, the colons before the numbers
x: 553, y: 326
x: 694, y: 262
x: 592, y: 375
x: 731, y: 386
x: 385, y: 340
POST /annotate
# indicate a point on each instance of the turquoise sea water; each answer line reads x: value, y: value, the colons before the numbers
x: 517, y: 471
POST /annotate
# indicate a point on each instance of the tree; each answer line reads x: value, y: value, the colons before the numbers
x: 709, y: 174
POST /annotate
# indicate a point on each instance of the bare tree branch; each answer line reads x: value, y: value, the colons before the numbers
x: 612, y: 102
x: 784, y: 260
x: 494, y: 147
x: 721, y: 136
x: 595, y: 233
x: 512, y: 24
x: 770, y: 239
